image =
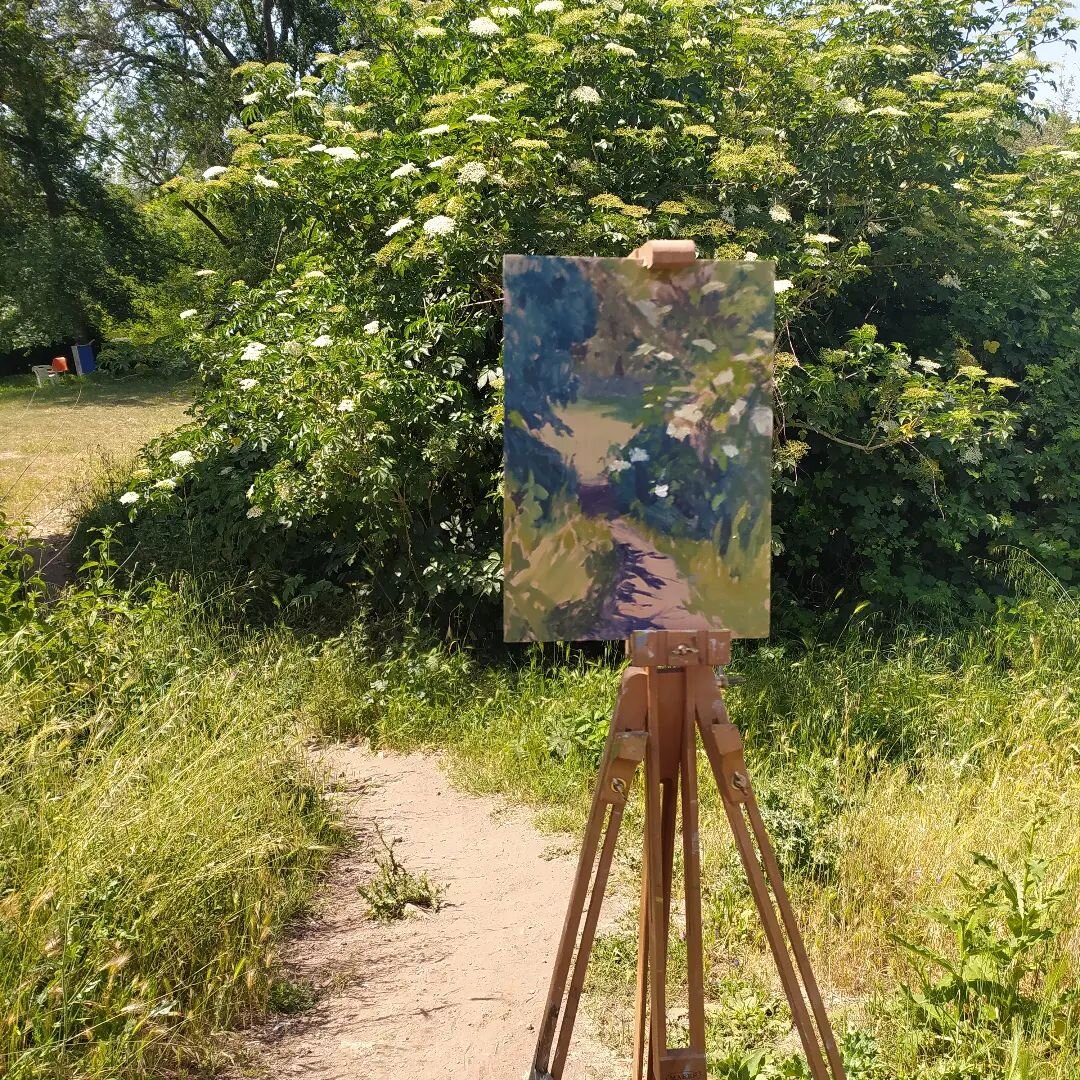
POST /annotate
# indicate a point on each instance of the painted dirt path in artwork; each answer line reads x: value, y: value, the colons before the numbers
x: 455, y: 994
x: 649, y: 589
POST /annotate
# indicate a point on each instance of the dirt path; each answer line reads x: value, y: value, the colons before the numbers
x: 455, y: 994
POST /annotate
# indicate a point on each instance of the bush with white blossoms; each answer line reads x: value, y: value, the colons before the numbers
x: 872, y: 159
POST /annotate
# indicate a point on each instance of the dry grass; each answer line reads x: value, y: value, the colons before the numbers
x: 52, y: 439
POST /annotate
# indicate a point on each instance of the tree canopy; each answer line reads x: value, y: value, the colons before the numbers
x: 70, y: 241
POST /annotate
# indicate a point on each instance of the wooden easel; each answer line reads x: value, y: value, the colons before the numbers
x: 668, y: 696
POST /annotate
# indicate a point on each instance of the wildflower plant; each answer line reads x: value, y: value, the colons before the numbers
x: 413, y: 163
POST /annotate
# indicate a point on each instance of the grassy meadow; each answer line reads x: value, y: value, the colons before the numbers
x: 886, y: 766
x: 53, y: 438
x: 158, y: 823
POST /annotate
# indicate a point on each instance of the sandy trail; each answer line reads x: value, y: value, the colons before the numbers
x: 453, y: 994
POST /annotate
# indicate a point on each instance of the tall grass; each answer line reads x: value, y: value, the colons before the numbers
x: 158, y: 822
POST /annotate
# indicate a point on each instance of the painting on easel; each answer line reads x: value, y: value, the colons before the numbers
x: 638, y: 442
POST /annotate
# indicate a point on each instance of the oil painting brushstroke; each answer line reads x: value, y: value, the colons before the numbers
x: 638, y: 441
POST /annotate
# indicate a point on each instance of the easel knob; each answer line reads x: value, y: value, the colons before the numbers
x: 665, y: 254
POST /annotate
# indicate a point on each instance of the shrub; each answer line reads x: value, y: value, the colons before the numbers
x: 993, y: 1004
x: 349, y: 409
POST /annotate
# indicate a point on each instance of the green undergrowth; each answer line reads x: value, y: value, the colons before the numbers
x: 158, y: 823
x: 886, y: 764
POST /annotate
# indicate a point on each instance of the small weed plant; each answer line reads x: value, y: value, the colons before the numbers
x: 992, y: 1003
x: 393, y: 889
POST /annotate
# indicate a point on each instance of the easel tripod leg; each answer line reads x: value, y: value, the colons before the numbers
x: 723, y: 745
x: 623, y: 755
x: 642, y: 992
x: 588, y: 935
x: 787, y: 913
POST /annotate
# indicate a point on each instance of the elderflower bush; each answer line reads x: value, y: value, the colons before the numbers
x: 388, y: 185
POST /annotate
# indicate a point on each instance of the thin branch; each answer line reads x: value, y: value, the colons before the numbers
x: 866, y: 448
x: 222, y: 238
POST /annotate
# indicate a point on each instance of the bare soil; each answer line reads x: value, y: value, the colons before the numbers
x: 456, y: 993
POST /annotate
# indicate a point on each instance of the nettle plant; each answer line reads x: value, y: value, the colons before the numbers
x: 350, y: 404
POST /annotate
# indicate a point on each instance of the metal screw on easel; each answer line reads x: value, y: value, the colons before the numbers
x: 618, y: 785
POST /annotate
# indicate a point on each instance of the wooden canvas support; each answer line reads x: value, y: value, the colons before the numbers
x: 665, y: 254
x: 669, y: 696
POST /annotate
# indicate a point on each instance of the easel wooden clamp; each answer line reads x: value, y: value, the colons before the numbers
x: 669, y: 696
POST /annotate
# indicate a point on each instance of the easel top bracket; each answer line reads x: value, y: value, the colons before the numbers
x: 665, y: 254
x: 679, y: 648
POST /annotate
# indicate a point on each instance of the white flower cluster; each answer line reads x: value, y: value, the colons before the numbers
x: 586, y: 95
x: 300, y: 95
x: 440, y: 225
x: 394, y: 229
x: 472, y: 172
x: 438, y: 163
x: 684, y: 420
x: 252, y: 351
x: 429, y: 31
x: 264, y: 181
x: 781, y: 285
x: 548, y: 5
x: 248, y: 384
x: 183, y: 458
x: 438, y: 129
x: 215, y: 171
x: 485, y: 27
x: 482, y: 118
x: 190, y: 313
x: 323, y: 341
x: 779, y: 212
x: 619, y: 50
x: 404, y: 170
x: 341, y: 153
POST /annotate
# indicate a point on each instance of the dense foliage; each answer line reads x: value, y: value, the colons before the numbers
x: 71, y: 243
x: 928, y: 274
